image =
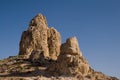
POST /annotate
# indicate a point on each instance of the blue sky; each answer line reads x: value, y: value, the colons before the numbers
x: 96, y: 24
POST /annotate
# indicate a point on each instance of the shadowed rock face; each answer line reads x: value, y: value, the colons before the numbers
x: 40, y: 37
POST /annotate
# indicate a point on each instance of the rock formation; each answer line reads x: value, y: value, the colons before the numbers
x: 40, y: 37
x: 43, y: 57
x: 70, y: 61
x: 71, y: 47
x: 37, y: 57
x: 54, y: 43
x: 40, y: 42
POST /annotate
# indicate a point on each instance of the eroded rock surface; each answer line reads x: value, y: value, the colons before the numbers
x: 35, y: 37
x: 37, y: 57
x: 40, y: 37
x: 70, y: 60
x: 54, y: 43
x: 55, y: 61
x: 71, y: 47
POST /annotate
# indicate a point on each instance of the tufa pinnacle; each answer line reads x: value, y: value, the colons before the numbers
x: 39, y: 37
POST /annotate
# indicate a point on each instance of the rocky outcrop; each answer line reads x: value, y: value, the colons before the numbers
x: 70, y: 60
x: 40, y: 43
x: 35, y: 37
x: 71, y: 47
x: 40, y: 37
x: 54, y: 43
x: 43, y: 47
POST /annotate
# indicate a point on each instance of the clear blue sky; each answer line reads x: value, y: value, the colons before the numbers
x: 96, y: 24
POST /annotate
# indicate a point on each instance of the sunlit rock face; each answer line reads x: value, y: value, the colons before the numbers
x: 41, y: 45
x: 70, y: 61
x: 54, y: 43
x: 39, y: 37
x: 71, y: 47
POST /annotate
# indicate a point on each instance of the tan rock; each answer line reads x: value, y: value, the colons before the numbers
x: 71, y: 61
x: 40, y: 37
x: 40, y: 42
x: 54, y: 43
x: 37, y: 58
x: 36, y: 55
x: 42, y: 45
x: 71, y: 47
x: 35, y: 37
x: 73, y: 64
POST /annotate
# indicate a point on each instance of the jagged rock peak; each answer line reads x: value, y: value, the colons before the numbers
x: 40, y: 37
x: 38, y: 20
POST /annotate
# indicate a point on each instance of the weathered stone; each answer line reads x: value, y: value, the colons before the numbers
x: 35, y: 37
x: 54, y: 43
x: 37, y: 58
x: 73, y: 64
x: 40, y: 37
x: 48, y: 59
x: 36, y: 55
x: 71, y: 47
x: 70, y: 61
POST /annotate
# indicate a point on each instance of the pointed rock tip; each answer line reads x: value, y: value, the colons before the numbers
x: 52, y: 28
x: 74, y: 38
x: 39, y: 15
x: 39, y: 19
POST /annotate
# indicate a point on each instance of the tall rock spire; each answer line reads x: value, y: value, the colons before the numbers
x: 38, y: 37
